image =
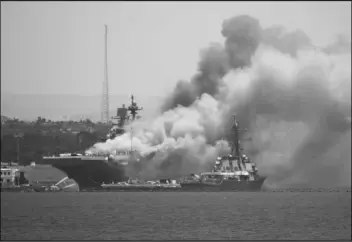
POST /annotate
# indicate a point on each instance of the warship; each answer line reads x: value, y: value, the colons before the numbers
x: 234, y: 172
x: 89, y: 170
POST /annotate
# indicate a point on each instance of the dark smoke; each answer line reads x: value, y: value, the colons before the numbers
x: 212, y: 67
x: 243, y: 34
x: 286, y: 42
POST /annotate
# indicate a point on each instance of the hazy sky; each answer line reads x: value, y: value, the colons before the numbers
x: 58, y: 47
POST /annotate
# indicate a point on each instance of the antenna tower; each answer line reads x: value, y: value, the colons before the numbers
x: 105, y: 96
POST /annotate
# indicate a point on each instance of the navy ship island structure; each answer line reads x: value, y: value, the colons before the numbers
x: 234, y: 172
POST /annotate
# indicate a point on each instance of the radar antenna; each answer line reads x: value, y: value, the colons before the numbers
x: 133, y: 108
x: 123, y: 117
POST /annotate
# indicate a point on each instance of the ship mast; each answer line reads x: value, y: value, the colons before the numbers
x: 131, y: 139
x: 122, y: 116
x: 133, y: 108
x: 236, y: 142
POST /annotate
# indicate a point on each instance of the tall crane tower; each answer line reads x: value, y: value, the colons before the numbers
x: 105, y: 94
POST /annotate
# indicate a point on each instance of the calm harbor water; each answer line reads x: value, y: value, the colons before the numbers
x: 143, y: 215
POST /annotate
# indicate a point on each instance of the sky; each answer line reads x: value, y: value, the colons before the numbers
x: 58, y: 47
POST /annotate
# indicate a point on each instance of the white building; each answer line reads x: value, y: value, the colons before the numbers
x: 8, y: 176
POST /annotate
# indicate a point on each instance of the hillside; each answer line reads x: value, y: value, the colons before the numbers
x: 73, y: 107
x: 38, y: 139
x: 4, y: 118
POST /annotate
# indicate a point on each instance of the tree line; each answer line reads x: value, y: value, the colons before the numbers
x: 33, y: 140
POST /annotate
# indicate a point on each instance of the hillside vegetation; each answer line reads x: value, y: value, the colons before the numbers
x: 46, y: 137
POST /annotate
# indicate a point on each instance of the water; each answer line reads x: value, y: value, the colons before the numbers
x: 143, y: 215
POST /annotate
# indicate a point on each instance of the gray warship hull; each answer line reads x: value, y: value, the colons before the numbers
x: 225, y: 186
x: 141, y: 187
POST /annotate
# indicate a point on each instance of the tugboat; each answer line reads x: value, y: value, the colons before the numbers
x: 234, y: 172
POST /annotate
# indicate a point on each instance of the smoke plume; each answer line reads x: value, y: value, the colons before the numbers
x: 293, y: 98
x: 289, y: 43
x: 212, y: 67
x: 339, y: 46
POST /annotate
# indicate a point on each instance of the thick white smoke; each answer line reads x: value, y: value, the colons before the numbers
x: 293, y: 99
x: 296, y: 108
x: 180, y: 135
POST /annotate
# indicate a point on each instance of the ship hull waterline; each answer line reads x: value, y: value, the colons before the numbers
x: 226, y: 186
x: 90, y: 174
x: 140, y: 188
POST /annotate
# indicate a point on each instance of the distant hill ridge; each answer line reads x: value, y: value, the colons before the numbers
x: 4, y: 118
x: 70, y: 106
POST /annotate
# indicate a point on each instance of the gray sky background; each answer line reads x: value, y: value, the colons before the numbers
x: 58, y: 47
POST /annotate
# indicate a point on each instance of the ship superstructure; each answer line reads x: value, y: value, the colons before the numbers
x: 123, y: 117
